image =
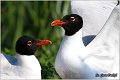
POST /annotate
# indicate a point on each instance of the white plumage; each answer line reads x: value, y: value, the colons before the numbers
x: 101, y: 55
x: 21, y: 67
x: 25, y: 65
x: 94, y: 13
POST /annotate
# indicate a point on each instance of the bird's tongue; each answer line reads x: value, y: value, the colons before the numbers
x: 43, y: 42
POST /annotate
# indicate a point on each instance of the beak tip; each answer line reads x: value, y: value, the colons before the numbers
x: 52, y: 24
x: 50, y: 42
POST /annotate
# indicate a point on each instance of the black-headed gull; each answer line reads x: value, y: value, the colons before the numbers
x: 98, y: 59
x: 25, y: 65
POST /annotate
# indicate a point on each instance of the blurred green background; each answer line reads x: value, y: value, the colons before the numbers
x: 33, y: 18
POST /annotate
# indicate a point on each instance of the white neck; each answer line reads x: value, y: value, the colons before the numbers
x: 72, y: 45
x: 28, y: 61
x: 75, y: 39
x: 77, y: 36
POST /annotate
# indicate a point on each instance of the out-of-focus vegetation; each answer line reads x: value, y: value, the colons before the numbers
x: 33, y: 18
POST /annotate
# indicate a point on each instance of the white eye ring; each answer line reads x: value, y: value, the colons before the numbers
x: 72, y: 18
x: 29, y: 43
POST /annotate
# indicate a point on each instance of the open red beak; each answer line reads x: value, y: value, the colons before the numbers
x: 43, y: 42
x: 57, y: 23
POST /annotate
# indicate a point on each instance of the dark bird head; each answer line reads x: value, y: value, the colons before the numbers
x: 27, y: 46
x: 71, y: 23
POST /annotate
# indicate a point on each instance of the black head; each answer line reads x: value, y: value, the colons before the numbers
x: 27, y: 46
x: 71, y: 23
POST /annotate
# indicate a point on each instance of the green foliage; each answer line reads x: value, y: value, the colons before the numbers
x: 33, y: 18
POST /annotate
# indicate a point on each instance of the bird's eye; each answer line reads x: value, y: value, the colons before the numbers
x: 72, y: 19
x: 29, y: 43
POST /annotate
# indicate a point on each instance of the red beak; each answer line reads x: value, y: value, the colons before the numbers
x: 57, y: 23
x: 43, y: 42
